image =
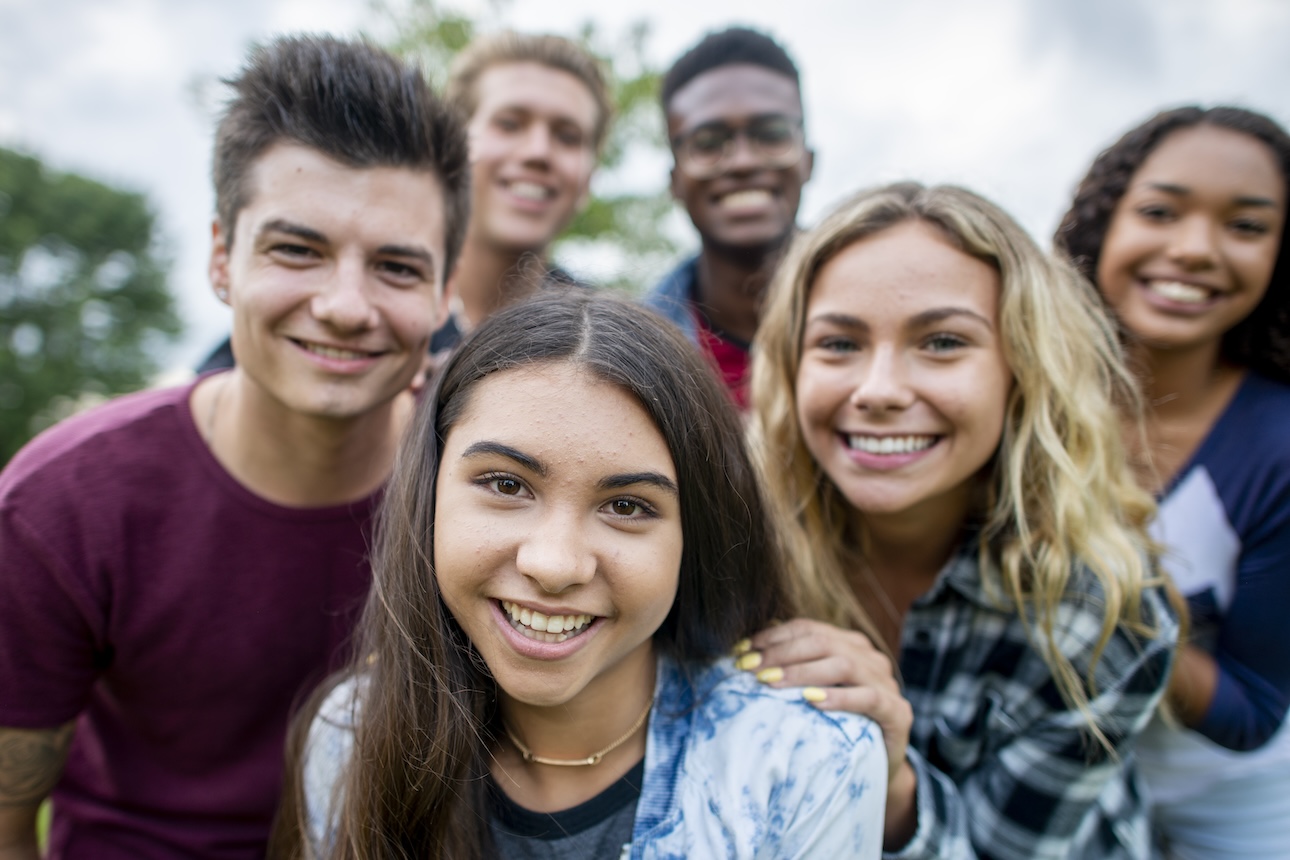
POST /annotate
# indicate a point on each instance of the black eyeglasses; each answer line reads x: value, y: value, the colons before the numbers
x: 775, y: 140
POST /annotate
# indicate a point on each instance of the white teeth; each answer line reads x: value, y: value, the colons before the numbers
x: 749, y: 197
x: 544, y: 628
x: 890, y: 444
x: 529, y: 190
x: 1177, y: 291
x: 332, y: 352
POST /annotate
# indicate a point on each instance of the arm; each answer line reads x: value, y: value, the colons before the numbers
x: 31, y: 761
x: 1246, y: 701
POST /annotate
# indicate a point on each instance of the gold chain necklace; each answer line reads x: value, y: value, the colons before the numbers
x: 594, y: 758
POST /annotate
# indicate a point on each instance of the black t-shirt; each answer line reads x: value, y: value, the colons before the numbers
x: 594, y: 830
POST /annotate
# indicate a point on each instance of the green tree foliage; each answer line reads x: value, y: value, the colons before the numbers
x: 625, y: 226
x: 84, y: 307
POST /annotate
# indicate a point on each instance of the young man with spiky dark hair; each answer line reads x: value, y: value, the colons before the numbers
x: 734, y: 118
x: 178, y: 566
x: 537, y: 109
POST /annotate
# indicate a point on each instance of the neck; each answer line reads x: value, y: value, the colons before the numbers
x: 906, y: 551
x: 488, y: 278
x: 292, y: 459
x: 591, y: 721
x: 1174, y: 381
x: 730, y: 287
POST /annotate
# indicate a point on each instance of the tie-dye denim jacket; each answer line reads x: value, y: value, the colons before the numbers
x: 732, y: 769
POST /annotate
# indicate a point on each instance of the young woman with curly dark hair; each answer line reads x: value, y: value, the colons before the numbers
x: 1182, y: 226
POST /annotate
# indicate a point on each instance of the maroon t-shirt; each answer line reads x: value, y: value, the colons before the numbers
x: 175, y: 615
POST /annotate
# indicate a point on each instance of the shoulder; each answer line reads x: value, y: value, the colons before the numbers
x: 1251, y: 436
x: 144, y: 427
x: 748, y: 726
x: 1135, y: 658
x: 675, y: 286
x: 328, y: 749
x: 760, y: 772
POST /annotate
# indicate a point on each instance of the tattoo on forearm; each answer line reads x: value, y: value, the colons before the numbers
x: 30, y: 763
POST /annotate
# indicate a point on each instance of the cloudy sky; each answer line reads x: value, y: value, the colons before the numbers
x: 1010, y: 97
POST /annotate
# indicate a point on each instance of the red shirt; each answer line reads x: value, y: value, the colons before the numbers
x: 729, y: 356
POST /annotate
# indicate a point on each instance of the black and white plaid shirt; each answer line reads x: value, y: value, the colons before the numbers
x: 1005, y: 768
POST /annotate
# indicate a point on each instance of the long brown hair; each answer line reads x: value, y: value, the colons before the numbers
x: 415, y: 783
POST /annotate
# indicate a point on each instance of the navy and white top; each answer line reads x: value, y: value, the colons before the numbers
x: 1225, y: 526
x: 732, y: 769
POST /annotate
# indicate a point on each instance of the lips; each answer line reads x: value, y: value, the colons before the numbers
x: 745, y: 199
x: 335, y: 353
x: 530, y: 191
x: 889, y: 445
x: 545, y: 628
x: 1180, y: 292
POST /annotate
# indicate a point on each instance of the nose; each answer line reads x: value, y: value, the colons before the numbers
x: 741, y: 157
x: 882, y: 383
x: 555, y: 554
x: 342, y: 301
x: 536, y: 145
x: 1191, y: 242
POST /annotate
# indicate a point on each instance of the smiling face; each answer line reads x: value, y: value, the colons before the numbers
x: 532, y: 153
x: 750, y: 204
x: 1192, y: 243
x: 558, y: 533
x: 903, y: 386
x: 335, y: 278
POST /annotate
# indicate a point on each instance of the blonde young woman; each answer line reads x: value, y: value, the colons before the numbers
x: 937, y: 418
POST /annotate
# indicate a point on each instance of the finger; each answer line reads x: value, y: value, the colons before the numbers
x: 831, y: 671
x: 786, y: 631
x: 855, y: 650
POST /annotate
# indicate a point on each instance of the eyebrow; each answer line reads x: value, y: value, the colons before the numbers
x: 936, y: 315
x: 926, y: 318
x: 309, y: 234
x: 610, y: 482
x: 281, y: 225
x: 654, y: 479
x: 1183, y: 191
x: 487, y: 447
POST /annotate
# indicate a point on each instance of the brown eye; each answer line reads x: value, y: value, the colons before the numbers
x: 507, y: 486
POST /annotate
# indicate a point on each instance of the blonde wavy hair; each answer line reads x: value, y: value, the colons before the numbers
x: 1058, y: 493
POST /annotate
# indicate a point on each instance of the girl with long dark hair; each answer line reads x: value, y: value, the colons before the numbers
x: 572, y: 542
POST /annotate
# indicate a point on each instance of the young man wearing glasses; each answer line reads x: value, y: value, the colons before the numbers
x: 734, y: 118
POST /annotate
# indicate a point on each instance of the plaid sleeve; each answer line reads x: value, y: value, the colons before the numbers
x: 1045, y: 788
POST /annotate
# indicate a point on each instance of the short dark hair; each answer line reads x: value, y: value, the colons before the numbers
x: 725, y: 48
x: 354, y: 103
x: 1262, y: 340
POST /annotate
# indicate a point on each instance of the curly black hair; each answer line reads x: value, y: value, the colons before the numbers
x: 1261, y: 341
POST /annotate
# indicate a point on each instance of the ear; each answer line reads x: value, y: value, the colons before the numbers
x: 444, y: 308
x: 673, y: 182
x: 808, y: 166
x: 217, y: 268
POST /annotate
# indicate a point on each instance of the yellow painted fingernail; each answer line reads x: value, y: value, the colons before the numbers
x: 743, y: 646
x: 770, y: 675
x: 751, y: 660
x: 814, y: 694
